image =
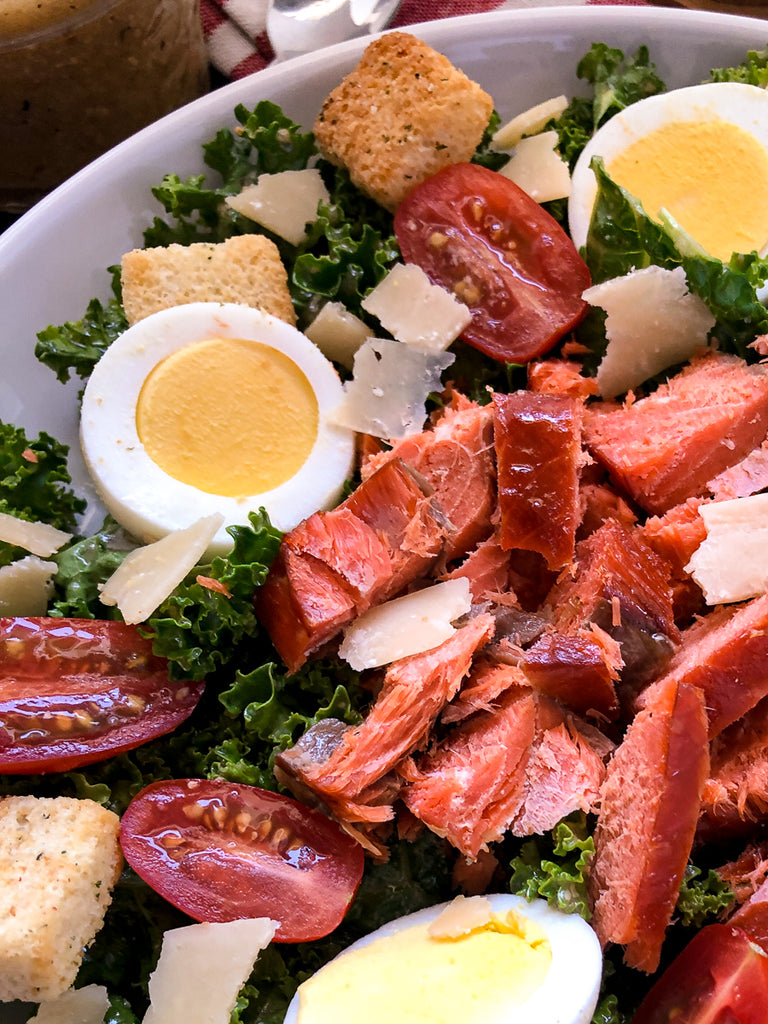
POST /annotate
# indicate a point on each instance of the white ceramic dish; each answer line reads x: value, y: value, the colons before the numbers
x: 54, y: 259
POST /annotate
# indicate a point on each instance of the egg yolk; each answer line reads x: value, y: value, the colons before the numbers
x: 411, y: 976
x: 712, y: 176
x: 228, y: 416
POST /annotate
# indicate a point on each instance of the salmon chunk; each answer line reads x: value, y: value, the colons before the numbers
x: 664, y: 448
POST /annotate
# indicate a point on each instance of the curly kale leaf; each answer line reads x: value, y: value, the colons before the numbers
x: 350, y: 248
x: 702, y: 897
x: 753, y: 70
x: 617, y: 81
x: 200, y: 627
x: 267, y: 142
x: 555, y: 867
x: 77, y: 345
x: 33, y: 483
x: 83, y: 567
x: 485, y: 155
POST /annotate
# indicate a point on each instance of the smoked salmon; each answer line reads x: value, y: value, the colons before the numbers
x: 724, y: 655
x: 662, y: 449
x: 646, y: 824
x: 336, y: 564
x: 539, y: 456
x: 455, y: 456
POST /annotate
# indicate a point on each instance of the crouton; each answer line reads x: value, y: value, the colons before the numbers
x: 401, y: 115
x: 59, y: 859
x: 245, y: 269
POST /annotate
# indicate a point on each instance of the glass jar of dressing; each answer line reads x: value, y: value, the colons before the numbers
x: 78, y: 76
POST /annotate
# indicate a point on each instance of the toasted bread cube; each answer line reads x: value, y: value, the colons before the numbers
x: 59, y: 859
x: 245, y: 269
x: 401, y: 115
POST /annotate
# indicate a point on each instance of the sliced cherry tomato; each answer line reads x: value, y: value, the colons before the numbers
x: 220, y: 851
x: 74, y: 691
x: 476, y: 233
x: 721, y: 977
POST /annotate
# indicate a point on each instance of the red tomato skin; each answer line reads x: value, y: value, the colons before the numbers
x: 721, y: 977
x: 220, y: 851
x: 479, y: 235
x: 77, y: 691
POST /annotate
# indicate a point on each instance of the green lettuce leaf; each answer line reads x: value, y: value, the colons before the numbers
x: 199, y: 629
x: 77, y: 345
x: 555, y: 867
x: 702, y: 897
x: 82, y: 567
x: 753, y: 70
x: 617, y: 81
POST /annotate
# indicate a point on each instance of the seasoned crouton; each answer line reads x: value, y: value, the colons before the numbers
x: 245, y: 269
x: 404, y: 113
x: 59, y: 859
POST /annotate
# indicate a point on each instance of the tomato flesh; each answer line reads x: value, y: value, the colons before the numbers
x: 479, y: 235
x: 75, y: 691
x: 221, y: 851
x: 721, y: 977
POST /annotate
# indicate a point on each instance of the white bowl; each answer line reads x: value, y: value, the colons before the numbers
x: 54, y: 259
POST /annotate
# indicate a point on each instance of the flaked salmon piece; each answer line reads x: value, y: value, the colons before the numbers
x: 675, y: 536
x: 724, y: 655
x: 334, y: 565
x: 455, y: 456
x: 620, y: 585
x: 750, y: 476
x: 735, y: 795
x: 561, y: 377
x: 539, y: 456
x: 747, y: 873
x: 521, y: 768
x: 579, y: 669
x: 564, y: 774
x: 664, y: 448
x: 646, y: 824
x: 486, y: 568
x: 414, y: 692
x: 486, y: 682
x: 471, y: 787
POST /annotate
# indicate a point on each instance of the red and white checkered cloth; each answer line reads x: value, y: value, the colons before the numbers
x: 237, y: 40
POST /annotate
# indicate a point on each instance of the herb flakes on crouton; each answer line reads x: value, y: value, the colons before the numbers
x: 401, y: 115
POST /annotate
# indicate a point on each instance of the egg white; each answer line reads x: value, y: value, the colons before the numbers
x: 745, y: 106
x: 140, y: 495
x: 569, y: 992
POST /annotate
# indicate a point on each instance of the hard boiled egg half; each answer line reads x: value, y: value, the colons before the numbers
x: 212, y: 407
x: 480, y: 960
x: 700, y: 153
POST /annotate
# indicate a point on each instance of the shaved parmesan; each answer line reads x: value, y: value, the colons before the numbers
x: 337, y: 333
x: 405, y: 626
x: 388, y: 391
x: 416, y: 311
x: 202, y: 968
x: 149, y: 574
x: 653, y: 322
x: 732, y: 563
x: 39, y: 538
x: 87, y: 1005
x: 460, y: 917
x: 538, y: 169
x: 528, y: 122
x: 284, y: 203
x: 26, y: 586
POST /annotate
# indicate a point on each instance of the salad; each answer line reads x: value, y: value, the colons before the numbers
x: 253, y: 710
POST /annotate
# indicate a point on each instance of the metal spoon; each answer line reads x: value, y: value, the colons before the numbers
x: 300, y: 26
